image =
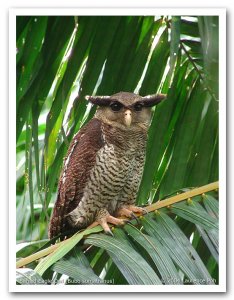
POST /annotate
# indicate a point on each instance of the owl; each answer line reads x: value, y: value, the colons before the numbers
x: 103, y: 167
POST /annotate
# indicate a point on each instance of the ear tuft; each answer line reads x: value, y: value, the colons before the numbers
x: 99, y: 100
x: 152, y: 100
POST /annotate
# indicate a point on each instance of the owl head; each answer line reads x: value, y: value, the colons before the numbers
x: 125, y: 109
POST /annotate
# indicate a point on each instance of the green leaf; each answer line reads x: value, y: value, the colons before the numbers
x: 211, y: 205
x: 53, y: 48
x: 63, y: 249
x: 30, y: 60
x: 175, y: 42
x: 99, y: 260
x: 195, y: 215
x: 189, y: 28
x: 178, y: 247
x: 134, y: 268
x: 124, y: 45
x: 76, y: 266
x: 158, y: 254
x: 114, y: 276
x: 168, y: 113
x: 213, y: 248
x: 29, y: 248
x: 156, y: 67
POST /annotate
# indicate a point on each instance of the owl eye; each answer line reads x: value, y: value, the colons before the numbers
x: 116, y: 106
x: 138, y: 107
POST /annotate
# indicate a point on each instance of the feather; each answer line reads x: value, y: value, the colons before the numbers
x: 78, y: 163
x: 152, y: 100
x: 99, y: 100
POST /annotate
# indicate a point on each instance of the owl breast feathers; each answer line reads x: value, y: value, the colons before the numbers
x: 104, y: 164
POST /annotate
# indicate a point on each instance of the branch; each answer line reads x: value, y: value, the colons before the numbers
x: 192, y: 193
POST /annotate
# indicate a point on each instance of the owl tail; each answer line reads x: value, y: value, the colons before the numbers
x: 55, y: 224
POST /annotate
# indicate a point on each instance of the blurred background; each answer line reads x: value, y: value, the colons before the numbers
x: 62, y: 59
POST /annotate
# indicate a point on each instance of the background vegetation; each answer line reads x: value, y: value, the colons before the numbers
x: 62, y: 59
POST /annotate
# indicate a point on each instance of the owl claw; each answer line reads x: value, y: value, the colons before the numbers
x: 129, y: 222
x: 109, y: 232
x: 144, y: 211
x: 133, y: 216
x: 112, y: 220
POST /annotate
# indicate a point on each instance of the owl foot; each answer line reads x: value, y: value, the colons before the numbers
x: 112, y: 220
x: 129, y: 211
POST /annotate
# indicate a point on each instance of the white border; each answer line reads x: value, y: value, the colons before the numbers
x: 116, y: 11
x: 222, y: 150
x: 222, y: 144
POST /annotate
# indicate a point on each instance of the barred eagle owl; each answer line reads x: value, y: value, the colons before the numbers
x: 104, y: 164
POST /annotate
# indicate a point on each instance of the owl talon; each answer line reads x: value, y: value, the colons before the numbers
x: 109, y: 232
x: 133, y: 216
x: 112, y: 220
x: 144, y: 211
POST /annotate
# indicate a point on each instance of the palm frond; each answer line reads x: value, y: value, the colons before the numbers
x: 155, y: 251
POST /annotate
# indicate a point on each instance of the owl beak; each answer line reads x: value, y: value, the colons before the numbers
x: 128, y: 117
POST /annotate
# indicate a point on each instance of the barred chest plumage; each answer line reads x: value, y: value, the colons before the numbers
x: 124, y: 152
x: 115, y: 178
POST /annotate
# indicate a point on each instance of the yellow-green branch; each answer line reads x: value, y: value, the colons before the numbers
x: 180, y: 197
x: 164, y: 203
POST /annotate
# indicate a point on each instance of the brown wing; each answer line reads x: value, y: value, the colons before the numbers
x: 79, y: 161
